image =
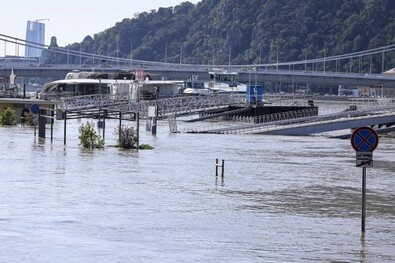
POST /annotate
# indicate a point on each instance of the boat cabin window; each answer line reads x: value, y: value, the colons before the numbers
x: 83, y: 89
x: 194, y: 84
x: 92, y: 88
x: 223, y: 77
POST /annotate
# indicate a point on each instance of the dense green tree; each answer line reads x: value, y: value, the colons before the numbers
x: 8, y: 117
x: 89, y: 138
x: 253, y: 31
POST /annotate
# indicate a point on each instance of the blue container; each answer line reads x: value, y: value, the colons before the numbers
x: 250, y: 95
x: 254, y: 94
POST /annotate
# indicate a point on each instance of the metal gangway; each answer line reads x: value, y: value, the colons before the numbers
x: 174, y: 106
x: 315, y: 124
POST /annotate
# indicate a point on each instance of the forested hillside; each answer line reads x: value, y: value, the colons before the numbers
x: 247, y: 31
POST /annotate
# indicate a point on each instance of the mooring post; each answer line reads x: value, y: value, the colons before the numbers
x: 41, y: 125
x: 138, y: 128
x: 216, y: 167
x: 120, y: 126
x: 64, y: 129
x: 138, y: 114
x: 35, y: 125
x: 223, y: 168
x: 104, y: 124
x: 52, y: 120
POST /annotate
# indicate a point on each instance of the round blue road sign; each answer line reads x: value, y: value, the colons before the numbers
x: 35, y: 108
x: 364, y: 139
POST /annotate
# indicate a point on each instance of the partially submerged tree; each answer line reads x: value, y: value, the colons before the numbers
x: 89, y: 138
x: 8, y: 117
x: 128, y: 138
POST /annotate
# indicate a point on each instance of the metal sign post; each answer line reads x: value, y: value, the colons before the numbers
x: 364, y: 140
x: 363, y: 199
x: 35, y: 109
x: 139, y: 88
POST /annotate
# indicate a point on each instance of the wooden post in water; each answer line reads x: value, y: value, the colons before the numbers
x: 104, y: 123
x: 64, y: 129
x: 35, y: 125
x: 120, y: 126
x: 138, y: 115
x: 217, y: 165
x: 52, y: 121
x: 223, y: 168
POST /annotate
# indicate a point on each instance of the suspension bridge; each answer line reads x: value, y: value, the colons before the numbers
x: 322, y: 71
x: 349, y: 70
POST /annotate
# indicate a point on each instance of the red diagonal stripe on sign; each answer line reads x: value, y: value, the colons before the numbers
x: 365, y: 139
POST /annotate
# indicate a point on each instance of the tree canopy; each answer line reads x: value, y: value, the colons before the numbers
x: 243, y: 32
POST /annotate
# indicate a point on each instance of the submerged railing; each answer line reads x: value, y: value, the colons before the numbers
x: 305, y: 121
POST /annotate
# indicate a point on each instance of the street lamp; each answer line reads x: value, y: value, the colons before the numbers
x: 180, y: 54
x: 181, y: 50
x: 324, y: 59
x: 155, y: 118
x: 213, y: 56
x: 382, y: 62
x: 166, y: 53
x: 131, y: 55
x: 277, y: 60
x: 305, y: 59
x: 230, y: 50
x: 80, y: 55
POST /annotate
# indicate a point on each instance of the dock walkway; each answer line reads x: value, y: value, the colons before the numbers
x: 381, y: 116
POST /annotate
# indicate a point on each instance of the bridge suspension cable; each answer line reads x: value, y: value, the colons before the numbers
x: 94, y: 56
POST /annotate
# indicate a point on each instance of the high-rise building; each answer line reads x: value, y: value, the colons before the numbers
x: 35, y: 32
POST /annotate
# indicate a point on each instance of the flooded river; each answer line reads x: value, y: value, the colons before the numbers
x: 283, y: 199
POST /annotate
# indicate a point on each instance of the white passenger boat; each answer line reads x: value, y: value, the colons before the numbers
x: 225, y: 81
x: 195, y: 87
x: 95, y: 83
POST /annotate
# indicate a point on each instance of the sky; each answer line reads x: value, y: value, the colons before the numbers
x: 71, y: 20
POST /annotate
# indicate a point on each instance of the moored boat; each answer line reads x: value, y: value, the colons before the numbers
x: 195, y: 87
x: 99, y: 83
x: 225, y: 81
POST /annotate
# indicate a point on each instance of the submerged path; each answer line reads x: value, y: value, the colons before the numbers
x: 380, y: 116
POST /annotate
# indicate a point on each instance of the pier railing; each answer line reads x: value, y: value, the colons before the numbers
x: 184, y: 105
x: 88, y: 102
x: 166, y: 106
x: 305, y: 121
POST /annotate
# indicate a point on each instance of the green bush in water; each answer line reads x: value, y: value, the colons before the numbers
x: 145, y: 147
x: 128, y: 138
x: 8, y: 117
x: 89, y: 138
